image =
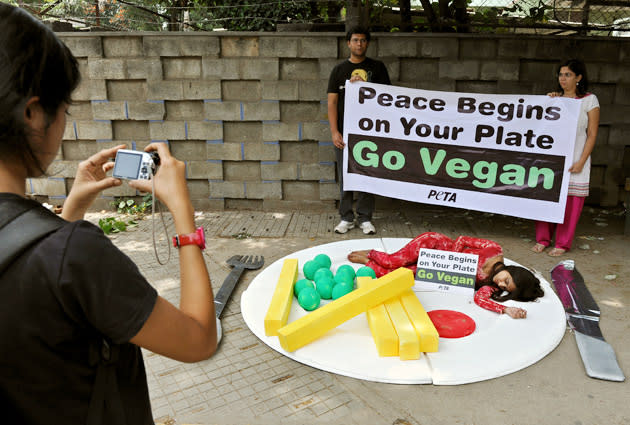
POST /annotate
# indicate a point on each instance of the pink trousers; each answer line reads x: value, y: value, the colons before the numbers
x: 564, y: 231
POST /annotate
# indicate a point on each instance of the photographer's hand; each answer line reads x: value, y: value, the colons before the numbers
x: 170, y: 187
x: 188, y: 333
x: 90, y: 180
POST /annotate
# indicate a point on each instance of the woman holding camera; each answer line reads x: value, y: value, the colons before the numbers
x: 76, y: 310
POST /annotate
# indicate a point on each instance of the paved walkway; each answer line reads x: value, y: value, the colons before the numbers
x: 247, y: 382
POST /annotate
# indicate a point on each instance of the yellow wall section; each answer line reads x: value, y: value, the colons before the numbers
x: 429, y: 337
x: 383, y: 332
x: 408, y: 341
x: 280, y: 304
x: 308, y: 328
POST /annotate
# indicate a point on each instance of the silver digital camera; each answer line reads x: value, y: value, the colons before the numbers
x: 135, y: 165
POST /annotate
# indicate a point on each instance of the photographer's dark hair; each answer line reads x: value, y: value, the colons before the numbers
x: 358, y: 30
x: 578, y: 68
x: 33, y: 62
x: 527, y: 285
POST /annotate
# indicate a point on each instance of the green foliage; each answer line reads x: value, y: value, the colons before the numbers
x: 110, y: 14
x: 129, y: 205
x: 326, y: 14
x: 443, y: 16
x: 378, y: 7
x: 111, y: 225
x: 532, y: 14
x: 489, y: 14
x: 156, y: 15
x: 265, y: 15
x: 538, y: 13
x: 254, y: 15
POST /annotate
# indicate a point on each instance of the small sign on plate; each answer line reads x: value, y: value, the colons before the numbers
x: 445, y: 271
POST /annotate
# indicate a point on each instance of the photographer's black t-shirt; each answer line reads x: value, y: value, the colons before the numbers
x: 372, y: 70
x: 68, y: 291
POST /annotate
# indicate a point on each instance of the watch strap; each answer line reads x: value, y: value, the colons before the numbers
x: 197, y: 238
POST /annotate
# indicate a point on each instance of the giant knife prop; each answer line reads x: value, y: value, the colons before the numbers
x: 583, y: 317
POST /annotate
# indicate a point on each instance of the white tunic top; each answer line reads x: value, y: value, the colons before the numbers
x: 578, y: 182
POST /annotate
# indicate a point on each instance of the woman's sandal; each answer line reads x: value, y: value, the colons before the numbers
x: 556, y: 252
x: 539, y: 248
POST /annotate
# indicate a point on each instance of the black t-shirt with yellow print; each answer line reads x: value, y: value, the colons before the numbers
x: 369, y: 70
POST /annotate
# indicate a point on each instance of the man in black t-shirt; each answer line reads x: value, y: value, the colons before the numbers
x: 357, y: 68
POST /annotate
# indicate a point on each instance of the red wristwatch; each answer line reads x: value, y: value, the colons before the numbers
x: 198, y: 238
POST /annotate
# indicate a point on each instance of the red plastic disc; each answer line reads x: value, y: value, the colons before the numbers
x: 452, y: 324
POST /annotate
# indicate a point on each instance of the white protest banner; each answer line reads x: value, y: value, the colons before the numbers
x: 445, y: 271
x: 506, y: 154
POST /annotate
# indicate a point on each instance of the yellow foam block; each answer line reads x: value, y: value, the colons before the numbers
x: 280, y: 304
x: 381, y: 327
x: 429, y: 337
x: 308, y: 328
x: 408, y: 341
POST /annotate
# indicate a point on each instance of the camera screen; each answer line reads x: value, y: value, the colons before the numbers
x: 127, y: 165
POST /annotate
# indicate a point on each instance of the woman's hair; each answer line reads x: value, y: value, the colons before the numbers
x: 33, y: 62
x: 578, y: 68
x: 527, y: 285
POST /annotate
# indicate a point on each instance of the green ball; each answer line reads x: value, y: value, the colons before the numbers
x: 324, y: 287
x: 301, y: 284
x: 366, y: 271
x: 309, y: 299
x: 350, y: 285
x: 323, y: 259
x: 346, y: 269
x: 344, y: 278
x: 322, y: 273
x: 310, y: 267
x: 341, y: 289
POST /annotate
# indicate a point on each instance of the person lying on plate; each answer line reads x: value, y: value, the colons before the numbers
x: 493, y: 277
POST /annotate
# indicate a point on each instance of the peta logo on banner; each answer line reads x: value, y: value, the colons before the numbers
x: 505, y: 154
x: 442, y: 196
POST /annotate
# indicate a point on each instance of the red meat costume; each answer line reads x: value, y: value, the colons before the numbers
x: 383, y: 263
x: 482, y: 299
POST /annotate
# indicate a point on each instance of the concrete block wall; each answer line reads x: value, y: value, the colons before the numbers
x: 247, y: 111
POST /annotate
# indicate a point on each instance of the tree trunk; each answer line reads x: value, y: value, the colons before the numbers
x: 445, y: 13
x: 174, y: 22
x: 461, y: 16
x: 185, y: 16
x: 405, y: 15
x: 429, y: 14
x: 334, y: 11
x: 356, y: 14
x: 97, y: 12
x: 585, y: 17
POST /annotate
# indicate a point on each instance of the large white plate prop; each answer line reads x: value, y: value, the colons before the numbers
x: 500, y: 345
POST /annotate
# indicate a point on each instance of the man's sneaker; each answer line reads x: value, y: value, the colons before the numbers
x: 368, y: 228
x: 344, y: 226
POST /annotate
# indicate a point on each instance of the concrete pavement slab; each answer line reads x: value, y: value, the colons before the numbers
x: 247, y: 382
